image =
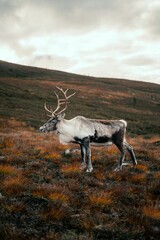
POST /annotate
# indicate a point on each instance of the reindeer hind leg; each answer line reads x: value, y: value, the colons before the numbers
x: 131, y: 152
x: 123, y: 150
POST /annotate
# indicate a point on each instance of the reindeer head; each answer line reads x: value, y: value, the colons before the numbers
x: 58, y: 114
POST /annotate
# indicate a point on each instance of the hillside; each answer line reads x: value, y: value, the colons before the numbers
x: 44, y: 192
x: 23, y: 91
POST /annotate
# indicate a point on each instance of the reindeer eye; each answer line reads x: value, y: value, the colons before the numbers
x: 53, y: 121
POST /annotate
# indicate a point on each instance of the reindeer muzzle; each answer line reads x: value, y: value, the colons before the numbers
x: 42, y: 129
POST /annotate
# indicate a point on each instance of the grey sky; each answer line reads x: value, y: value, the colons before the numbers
x: 118, y: 38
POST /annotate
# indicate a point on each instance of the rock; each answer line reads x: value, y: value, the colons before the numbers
x: 67, y: 151
x: 1, y: 196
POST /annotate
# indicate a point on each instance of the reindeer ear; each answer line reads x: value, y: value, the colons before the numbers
x: 60, y: 116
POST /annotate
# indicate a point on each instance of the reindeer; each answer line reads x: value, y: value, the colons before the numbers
x: 86, y: 132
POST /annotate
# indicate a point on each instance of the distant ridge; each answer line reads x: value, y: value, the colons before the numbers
x: 8, y: 69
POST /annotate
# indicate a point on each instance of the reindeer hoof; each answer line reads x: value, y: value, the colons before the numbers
x: 89, y: 170
x: 119, y: 168
x: 135, y: 163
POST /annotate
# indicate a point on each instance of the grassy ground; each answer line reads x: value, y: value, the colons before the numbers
x: 45, y: 195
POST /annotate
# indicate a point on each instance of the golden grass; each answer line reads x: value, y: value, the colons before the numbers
x: 95, y: 157
x: 154, y: 155
x: 100, y: 198
x: 44, y: 190
x: 154, y: 139
x: 152, y: 211
x: 87, y: 223
x: 8, y: 170
x: 53, y: 155
x: 41, y: 192
x: 157, y: 175
x: 59, y: 196
x: 118, y: 176
x: 112, y: 150
x: 142, y: 167
x: 100, y: 175
x: 42, y: 150
x: 138, y: 178
x: 14, y: 185
x: 15, y: 207
x: 55, y: 193
x: 55, y: 214
x: 134, y: 190
x: 6, y: 142
x: 71, y: 168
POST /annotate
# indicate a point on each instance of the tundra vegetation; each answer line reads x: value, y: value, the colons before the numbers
x: 44, y: 194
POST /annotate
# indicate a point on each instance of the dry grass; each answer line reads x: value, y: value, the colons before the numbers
x: 157, y: 175
x: 14, y: 186
x: 138, y: 178
x: 55, y: 214
x: 41, y: 191
x: 100, y: 198
x: 142, y: 167
x: 8, y: 170
x: 14, y: 208
x: 152, y: 210
x: 87, y: 223
x: 71, y: 169
x: 60, y: 197
x: 53, y: 155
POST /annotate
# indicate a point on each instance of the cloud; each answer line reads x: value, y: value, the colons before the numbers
x: 74, y: 16
x: 141, y: 60
x: 151, y: 24
x: 20, y: 19
x: 98, y: 37
x: 51, y: 62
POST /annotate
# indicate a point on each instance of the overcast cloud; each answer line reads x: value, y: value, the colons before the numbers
x: 101, y: 38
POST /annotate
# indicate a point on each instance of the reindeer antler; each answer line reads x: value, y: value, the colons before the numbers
x: 60, y: 102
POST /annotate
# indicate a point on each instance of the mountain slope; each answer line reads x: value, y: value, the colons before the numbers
x: 23, y: 91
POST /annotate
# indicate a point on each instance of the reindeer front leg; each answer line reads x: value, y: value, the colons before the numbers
x: 83, y: 154
x: 86, y: 146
